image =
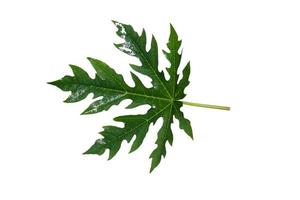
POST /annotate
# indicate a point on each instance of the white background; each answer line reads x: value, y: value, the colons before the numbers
x: 243, y: 53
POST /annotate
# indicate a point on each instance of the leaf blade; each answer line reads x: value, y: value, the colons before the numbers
x: 109, y: 89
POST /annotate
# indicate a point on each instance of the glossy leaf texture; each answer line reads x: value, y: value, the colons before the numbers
x: 109, y: 88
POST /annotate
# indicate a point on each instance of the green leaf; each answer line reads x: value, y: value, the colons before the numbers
x: 109, y: 88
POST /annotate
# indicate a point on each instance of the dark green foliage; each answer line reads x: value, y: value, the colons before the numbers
x: 109, y: 88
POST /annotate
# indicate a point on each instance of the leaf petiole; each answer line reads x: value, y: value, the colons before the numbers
x: 206, y: 105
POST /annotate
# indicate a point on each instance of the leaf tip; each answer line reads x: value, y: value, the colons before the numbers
x: 118, y: 46
x: 153, y: 39
x: 72, y: 66
x: 173, y: 31
x: 87, y: 152
x: 52, y: 83
x: 171, y: 26
x: 115, y: 22
x: 57, y: 83
x: 83, y: 113
x: 66, y: 101
x: 118, y: 24
x: 131, y: 150
x: 164, y: 52
x: 111, y: 155
x: 152, y: 168
x: 86, y: 112
x: 90, y: 59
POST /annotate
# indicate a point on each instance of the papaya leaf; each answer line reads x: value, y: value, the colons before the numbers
x: 109, y: 88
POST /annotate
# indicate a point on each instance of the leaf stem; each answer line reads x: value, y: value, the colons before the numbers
x: 206, y: 105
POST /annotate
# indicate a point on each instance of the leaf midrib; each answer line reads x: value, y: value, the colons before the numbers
x: 127, y: 92
x: 145, y: 121
x: 151, y: 67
